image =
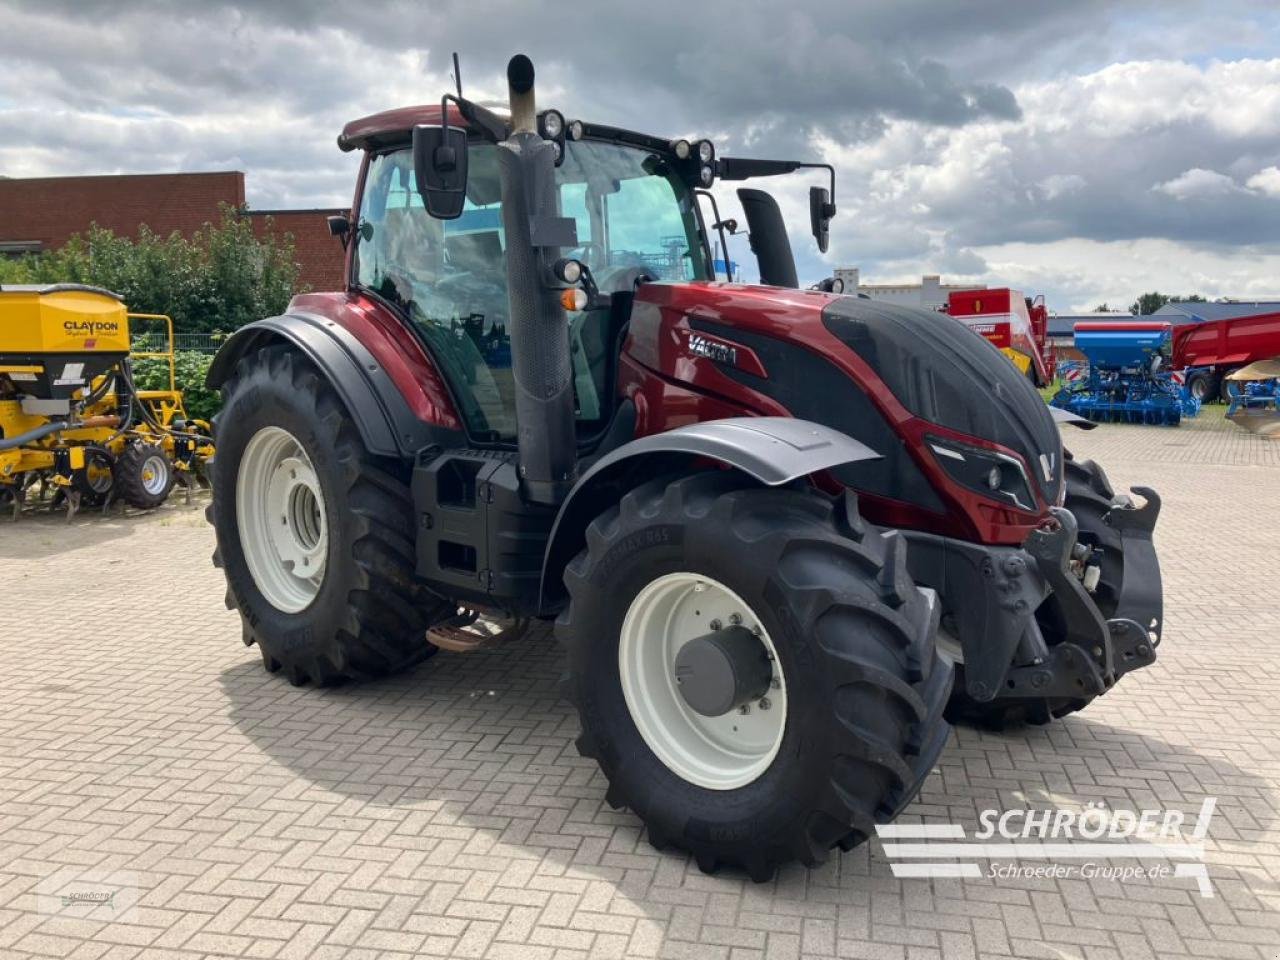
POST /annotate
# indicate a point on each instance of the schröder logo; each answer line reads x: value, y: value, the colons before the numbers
x: 1073, y: 842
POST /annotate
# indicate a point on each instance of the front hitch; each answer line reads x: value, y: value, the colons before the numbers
x: 1141, y: 591
x: 1094, y: 653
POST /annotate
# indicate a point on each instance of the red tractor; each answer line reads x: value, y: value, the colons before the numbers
x: 771, y: 525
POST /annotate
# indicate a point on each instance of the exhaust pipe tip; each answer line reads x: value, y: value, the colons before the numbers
x: 520, y: 74
x: 524, y: 113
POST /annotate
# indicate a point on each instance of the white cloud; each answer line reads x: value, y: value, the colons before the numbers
x: 1197, y: 183
x: 1060, y: 184
x: 1266, y: 180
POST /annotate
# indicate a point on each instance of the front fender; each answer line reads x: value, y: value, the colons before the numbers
x: 771, y: 450
x: 386, y: 423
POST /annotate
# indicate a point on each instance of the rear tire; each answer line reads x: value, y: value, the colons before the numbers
x: 1224, y: 394
x: 855, y: 659
x: 1089, y: 497
x: 366, y: 615
x: 144, y: 476
x: 1203, y: 386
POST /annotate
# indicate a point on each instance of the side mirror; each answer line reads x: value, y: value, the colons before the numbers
x: 440, y: 168
x: 821, y: 210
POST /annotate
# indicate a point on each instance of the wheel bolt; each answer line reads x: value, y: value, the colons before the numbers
x: 764, y: 703
x: 716, y: 624
x: 744, y: 709
x: 775, y: 683
x: 735, y: 619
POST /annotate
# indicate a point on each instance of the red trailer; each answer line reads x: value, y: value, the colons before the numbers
x: 1016, y: 324
x: 1208, y: 351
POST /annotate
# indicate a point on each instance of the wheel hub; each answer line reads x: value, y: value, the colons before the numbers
x: 723, y: 670
x: 702, y: 681
x: 155, y: 473
x: 281, y: 515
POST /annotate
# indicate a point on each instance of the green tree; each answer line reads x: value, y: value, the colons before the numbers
x: 219, y: 279
x: 190, y: 370
x: 1149, y: 303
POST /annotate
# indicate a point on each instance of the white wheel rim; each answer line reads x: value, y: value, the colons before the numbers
x: 155, y: 474
x: 719, y: 753
x: 280, y: 513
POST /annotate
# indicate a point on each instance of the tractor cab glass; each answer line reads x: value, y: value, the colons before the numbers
x: 636, y: 221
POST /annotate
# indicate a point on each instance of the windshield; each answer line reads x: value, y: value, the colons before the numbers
x: 634, y: 219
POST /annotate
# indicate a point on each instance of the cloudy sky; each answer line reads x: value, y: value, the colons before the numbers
x: 1087, y: 150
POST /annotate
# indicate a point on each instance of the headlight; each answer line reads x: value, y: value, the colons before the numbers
x: 576, y: 130
x: 707, y: 175
x: 552, y: 124
x: 992, y: 474
x: 706, y: 152
x: 559, y: 151
x: 681, y: 149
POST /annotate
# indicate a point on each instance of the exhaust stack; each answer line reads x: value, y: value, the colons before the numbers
x: 539, y: 328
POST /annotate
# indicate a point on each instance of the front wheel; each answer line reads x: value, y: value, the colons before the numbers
x: 754, y: 670
x: 313, y: 532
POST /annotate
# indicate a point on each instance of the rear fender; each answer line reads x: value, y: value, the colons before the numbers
x: 386, y: 423
x: 771, y: 450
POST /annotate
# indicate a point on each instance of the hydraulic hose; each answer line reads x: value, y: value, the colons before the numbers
x: 149, y: 417
x: 48, y: 429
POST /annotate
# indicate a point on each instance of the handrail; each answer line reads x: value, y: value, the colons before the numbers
x: 167, y: 355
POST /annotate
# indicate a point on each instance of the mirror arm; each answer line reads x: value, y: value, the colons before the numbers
x: 718, y: 226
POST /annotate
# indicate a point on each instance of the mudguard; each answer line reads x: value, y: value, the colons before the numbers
x: 387, y: 425
x: 772, y: 450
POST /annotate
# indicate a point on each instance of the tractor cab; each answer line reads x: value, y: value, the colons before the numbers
x: 634, y: 220
x: 627, y: 208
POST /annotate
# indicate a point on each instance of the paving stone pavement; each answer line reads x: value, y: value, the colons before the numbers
x: 145, y: 757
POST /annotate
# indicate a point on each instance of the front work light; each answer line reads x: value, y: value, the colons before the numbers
x: 568, y: 270
x: 552, y: 123
x: 988, y: 472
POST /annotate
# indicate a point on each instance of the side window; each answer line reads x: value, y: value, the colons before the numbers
x: 448, y: 277
x: 573, y: 203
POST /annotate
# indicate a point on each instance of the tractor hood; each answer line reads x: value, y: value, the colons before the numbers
x: 859, y: 366
x: 946, y: 374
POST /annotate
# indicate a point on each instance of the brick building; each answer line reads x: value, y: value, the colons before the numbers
x: 42, y: 213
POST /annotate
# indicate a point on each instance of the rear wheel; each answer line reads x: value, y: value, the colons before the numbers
x: 1224, y: 394
x: 754, y: 670
x: 143, y: 475
x: 1203, y: 385
x: 1089, y: 497
x: 314, y: 533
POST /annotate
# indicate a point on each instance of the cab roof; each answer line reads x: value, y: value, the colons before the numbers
x: 392, y: 126
x: 395, y: 127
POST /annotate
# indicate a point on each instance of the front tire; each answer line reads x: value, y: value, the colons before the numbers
x: 314, y: 533
x: 857, y: 676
